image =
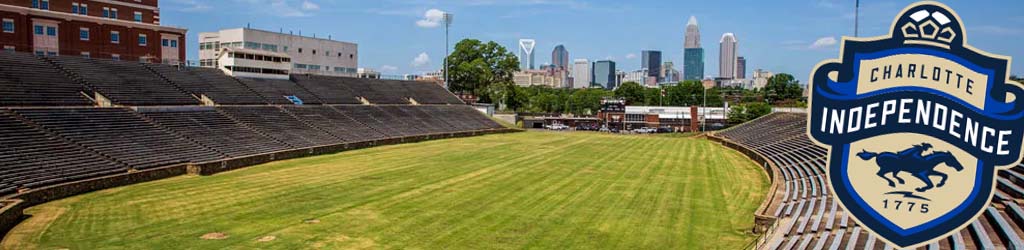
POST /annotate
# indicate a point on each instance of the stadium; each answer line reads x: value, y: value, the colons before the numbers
x: 392, y: 164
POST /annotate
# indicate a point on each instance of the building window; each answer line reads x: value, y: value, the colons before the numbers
x: 35, y: 4
x: 138, y: 17
x: 115, y: 57
x: 142, y: 40
x: 51, y: 31
x: 113, y: 13
x: 38, y: 29
x: 45, y: 4
x: 83, y: 34
x: 40, y: 53
x: 174, y: 43
x: 8, y: 48
x: 165, y: 43
x: 106, y: 12
x: 300, y: 50
x: 86, y: 55
x: 314, y: 52
x: 74, y: 8
x: 339, y: 54
x: 8, y: 25
x: 84, y: 10
x: 115, y: 37
x: 285, y: 49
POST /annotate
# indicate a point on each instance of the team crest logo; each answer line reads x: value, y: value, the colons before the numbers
x: 918, y: 124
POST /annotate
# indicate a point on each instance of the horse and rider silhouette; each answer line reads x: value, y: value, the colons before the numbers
x: 914, y: 162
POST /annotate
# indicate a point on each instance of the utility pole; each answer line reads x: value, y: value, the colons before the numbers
x: 705, y: 108
x: 447, y: 23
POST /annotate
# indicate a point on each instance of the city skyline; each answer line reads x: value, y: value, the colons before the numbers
x: 400, y: 37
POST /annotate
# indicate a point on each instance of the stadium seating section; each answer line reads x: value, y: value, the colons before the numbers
x: 55, y: 128
x: 809, y: 218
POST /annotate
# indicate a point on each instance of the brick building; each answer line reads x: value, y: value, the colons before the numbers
x: 111, y: 29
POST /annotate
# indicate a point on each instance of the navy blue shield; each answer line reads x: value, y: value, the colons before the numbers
x: 918, y: 123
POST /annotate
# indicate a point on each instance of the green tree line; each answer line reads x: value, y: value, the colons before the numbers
x: 485, y: 70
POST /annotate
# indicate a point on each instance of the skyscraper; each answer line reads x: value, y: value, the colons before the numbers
x: 560, y: 58
x: 741, y: 68
x: 603, y: 74
x: 651, y: 61
x: 693, y: 54
x: 669, y: 72
x: 727, y: 56
x: 581, y: 73
x: 526, y: 46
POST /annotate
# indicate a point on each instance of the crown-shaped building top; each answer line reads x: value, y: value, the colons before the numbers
x: 929, y: 24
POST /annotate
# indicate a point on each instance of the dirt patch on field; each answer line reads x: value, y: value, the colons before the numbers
x: 345, y: 242
x: 311, y: 221
x: 266, y: 238
x: 214, y: 236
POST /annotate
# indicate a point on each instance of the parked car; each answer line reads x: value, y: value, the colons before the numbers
x: 557, y: 126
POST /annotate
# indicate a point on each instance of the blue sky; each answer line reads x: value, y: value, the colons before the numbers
x: 397, y: 37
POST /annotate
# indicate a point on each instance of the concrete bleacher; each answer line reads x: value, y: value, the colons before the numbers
x: 212, y: 129
x: 119, y: 133
x: 277, y: 91
x: 335, y: 123
x: 806, y: 211
x: 277, y: 124
x: 26, y: 80
x: 212, y: 83
x: 332, y: 90
x: 124, y: 83
x: 31, y: 157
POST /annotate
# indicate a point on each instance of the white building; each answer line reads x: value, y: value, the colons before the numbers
x: 537, y: 77
x: 581, y: 73
x: 761, y: 78
x: 526, y: 61
x: 309, y: 55
x: 253, y: 63
x: 637, y: 76
x: 727, y: 56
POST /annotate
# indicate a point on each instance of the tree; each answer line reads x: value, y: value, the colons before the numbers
x: 783, y: 87
x: 632, y: 92
x: 474, y: 66
x: 748, y: 111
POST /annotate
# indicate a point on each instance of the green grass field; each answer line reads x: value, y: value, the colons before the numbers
x: 536, y: 190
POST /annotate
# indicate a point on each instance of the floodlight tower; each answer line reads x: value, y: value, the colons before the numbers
x: 856, y: 20
x: 447, y: 23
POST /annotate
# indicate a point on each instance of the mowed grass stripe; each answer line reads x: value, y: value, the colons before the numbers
x: 524, y: 190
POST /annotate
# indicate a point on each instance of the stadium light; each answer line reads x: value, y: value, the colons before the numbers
x: 447, y: 23
x: 856, y: 20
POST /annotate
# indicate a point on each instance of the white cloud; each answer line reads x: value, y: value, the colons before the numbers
x: 421, y: 60
x: 824, y: 42
x: 308, y: 6
x: 388, y: 68
x: 189, y: 6
x: 431, y: 19
x: 284, y: 8
x: 630, y: 56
